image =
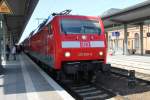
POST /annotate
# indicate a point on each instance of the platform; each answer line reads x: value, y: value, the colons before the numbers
x: 131, y: 62
x: 22, y: 79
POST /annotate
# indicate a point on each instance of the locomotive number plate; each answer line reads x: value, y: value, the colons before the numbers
x: 85, y: 54
x: 85, y: 44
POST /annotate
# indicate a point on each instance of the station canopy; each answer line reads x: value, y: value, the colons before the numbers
x: 131, y: 15
x: 21, y: 11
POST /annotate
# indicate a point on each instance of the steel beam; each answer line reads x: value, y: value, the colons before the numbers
x: 141, y: 38
x: 125, y: 49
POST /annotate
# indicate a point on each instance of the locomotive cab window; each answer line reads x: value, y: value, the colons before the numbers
x: 74, y: 26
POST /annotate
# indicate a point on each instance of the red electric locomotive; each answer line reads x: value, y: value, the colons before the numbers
x: 70, y: 44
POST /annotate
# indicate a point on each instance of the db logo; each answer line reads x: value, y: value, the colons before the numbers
x: 85, y: 44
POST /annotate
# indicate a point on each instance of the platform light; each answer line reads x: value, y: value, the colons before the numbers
x: 100, y: 53
x: 67, y: 54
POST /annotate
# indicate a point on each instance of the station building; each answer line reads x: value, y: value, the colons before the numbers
x: 115, y: 39
x: 128, y: 30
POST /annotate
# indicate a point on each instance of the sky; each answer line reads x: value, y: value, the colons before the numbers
x: 45, y: 8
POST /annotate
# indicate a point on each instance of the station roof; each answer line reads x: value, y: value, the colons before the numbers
x: 22, y: 11
x: 131, y: 15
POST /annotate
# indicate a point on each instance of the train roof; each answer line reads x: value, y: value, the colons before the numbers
x: 78, y: 16
x: 50, y: 18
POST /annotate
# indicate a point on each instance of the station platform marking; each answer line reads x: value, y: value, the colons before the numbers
x: 51, y: 82
x: 133, y: 62
x: 8, y: 82
x: 28, y: 83
x: 22, y: 80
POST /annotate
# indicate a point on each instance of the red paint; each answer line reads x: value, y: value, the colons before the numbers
x: 46, y: 43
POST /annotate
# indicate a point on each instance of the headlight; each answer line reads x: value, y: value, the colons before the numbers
x: 83, y: 37
x: 100, y: 53
x: 67, y: 54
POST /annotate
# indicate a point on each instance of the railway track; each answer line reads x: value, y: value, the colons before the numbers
x: 125, y: 73
x: 98, y: 91
x: 88, y: 91
x: 139, y: 63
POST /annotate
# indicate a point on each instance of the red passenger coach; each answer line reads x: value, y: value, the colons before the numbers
x: 70, y: 43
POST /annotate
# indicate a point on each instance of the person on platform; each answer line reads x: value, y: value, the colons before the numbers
x: 14, y: 52
x: 7, y: 52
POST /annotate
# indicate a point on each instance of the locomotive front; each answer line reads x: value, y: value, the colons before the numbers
x: 82, y: 43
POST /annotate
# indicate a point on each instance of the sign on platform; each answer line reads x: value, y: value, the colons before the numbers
x: 115, y: 34
x: 5, y: 8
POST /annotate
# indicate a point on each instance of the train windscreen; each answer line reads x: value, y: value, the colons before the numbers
x: 72, y: 26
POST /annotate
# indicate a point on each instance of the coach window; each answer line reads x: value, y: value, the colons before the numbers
x: 136, y: 40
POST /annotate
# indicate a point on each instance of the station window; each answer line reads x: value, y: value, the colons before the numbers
x: 128, y: 34
x: 129, y: 43
x: 136, y: 41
